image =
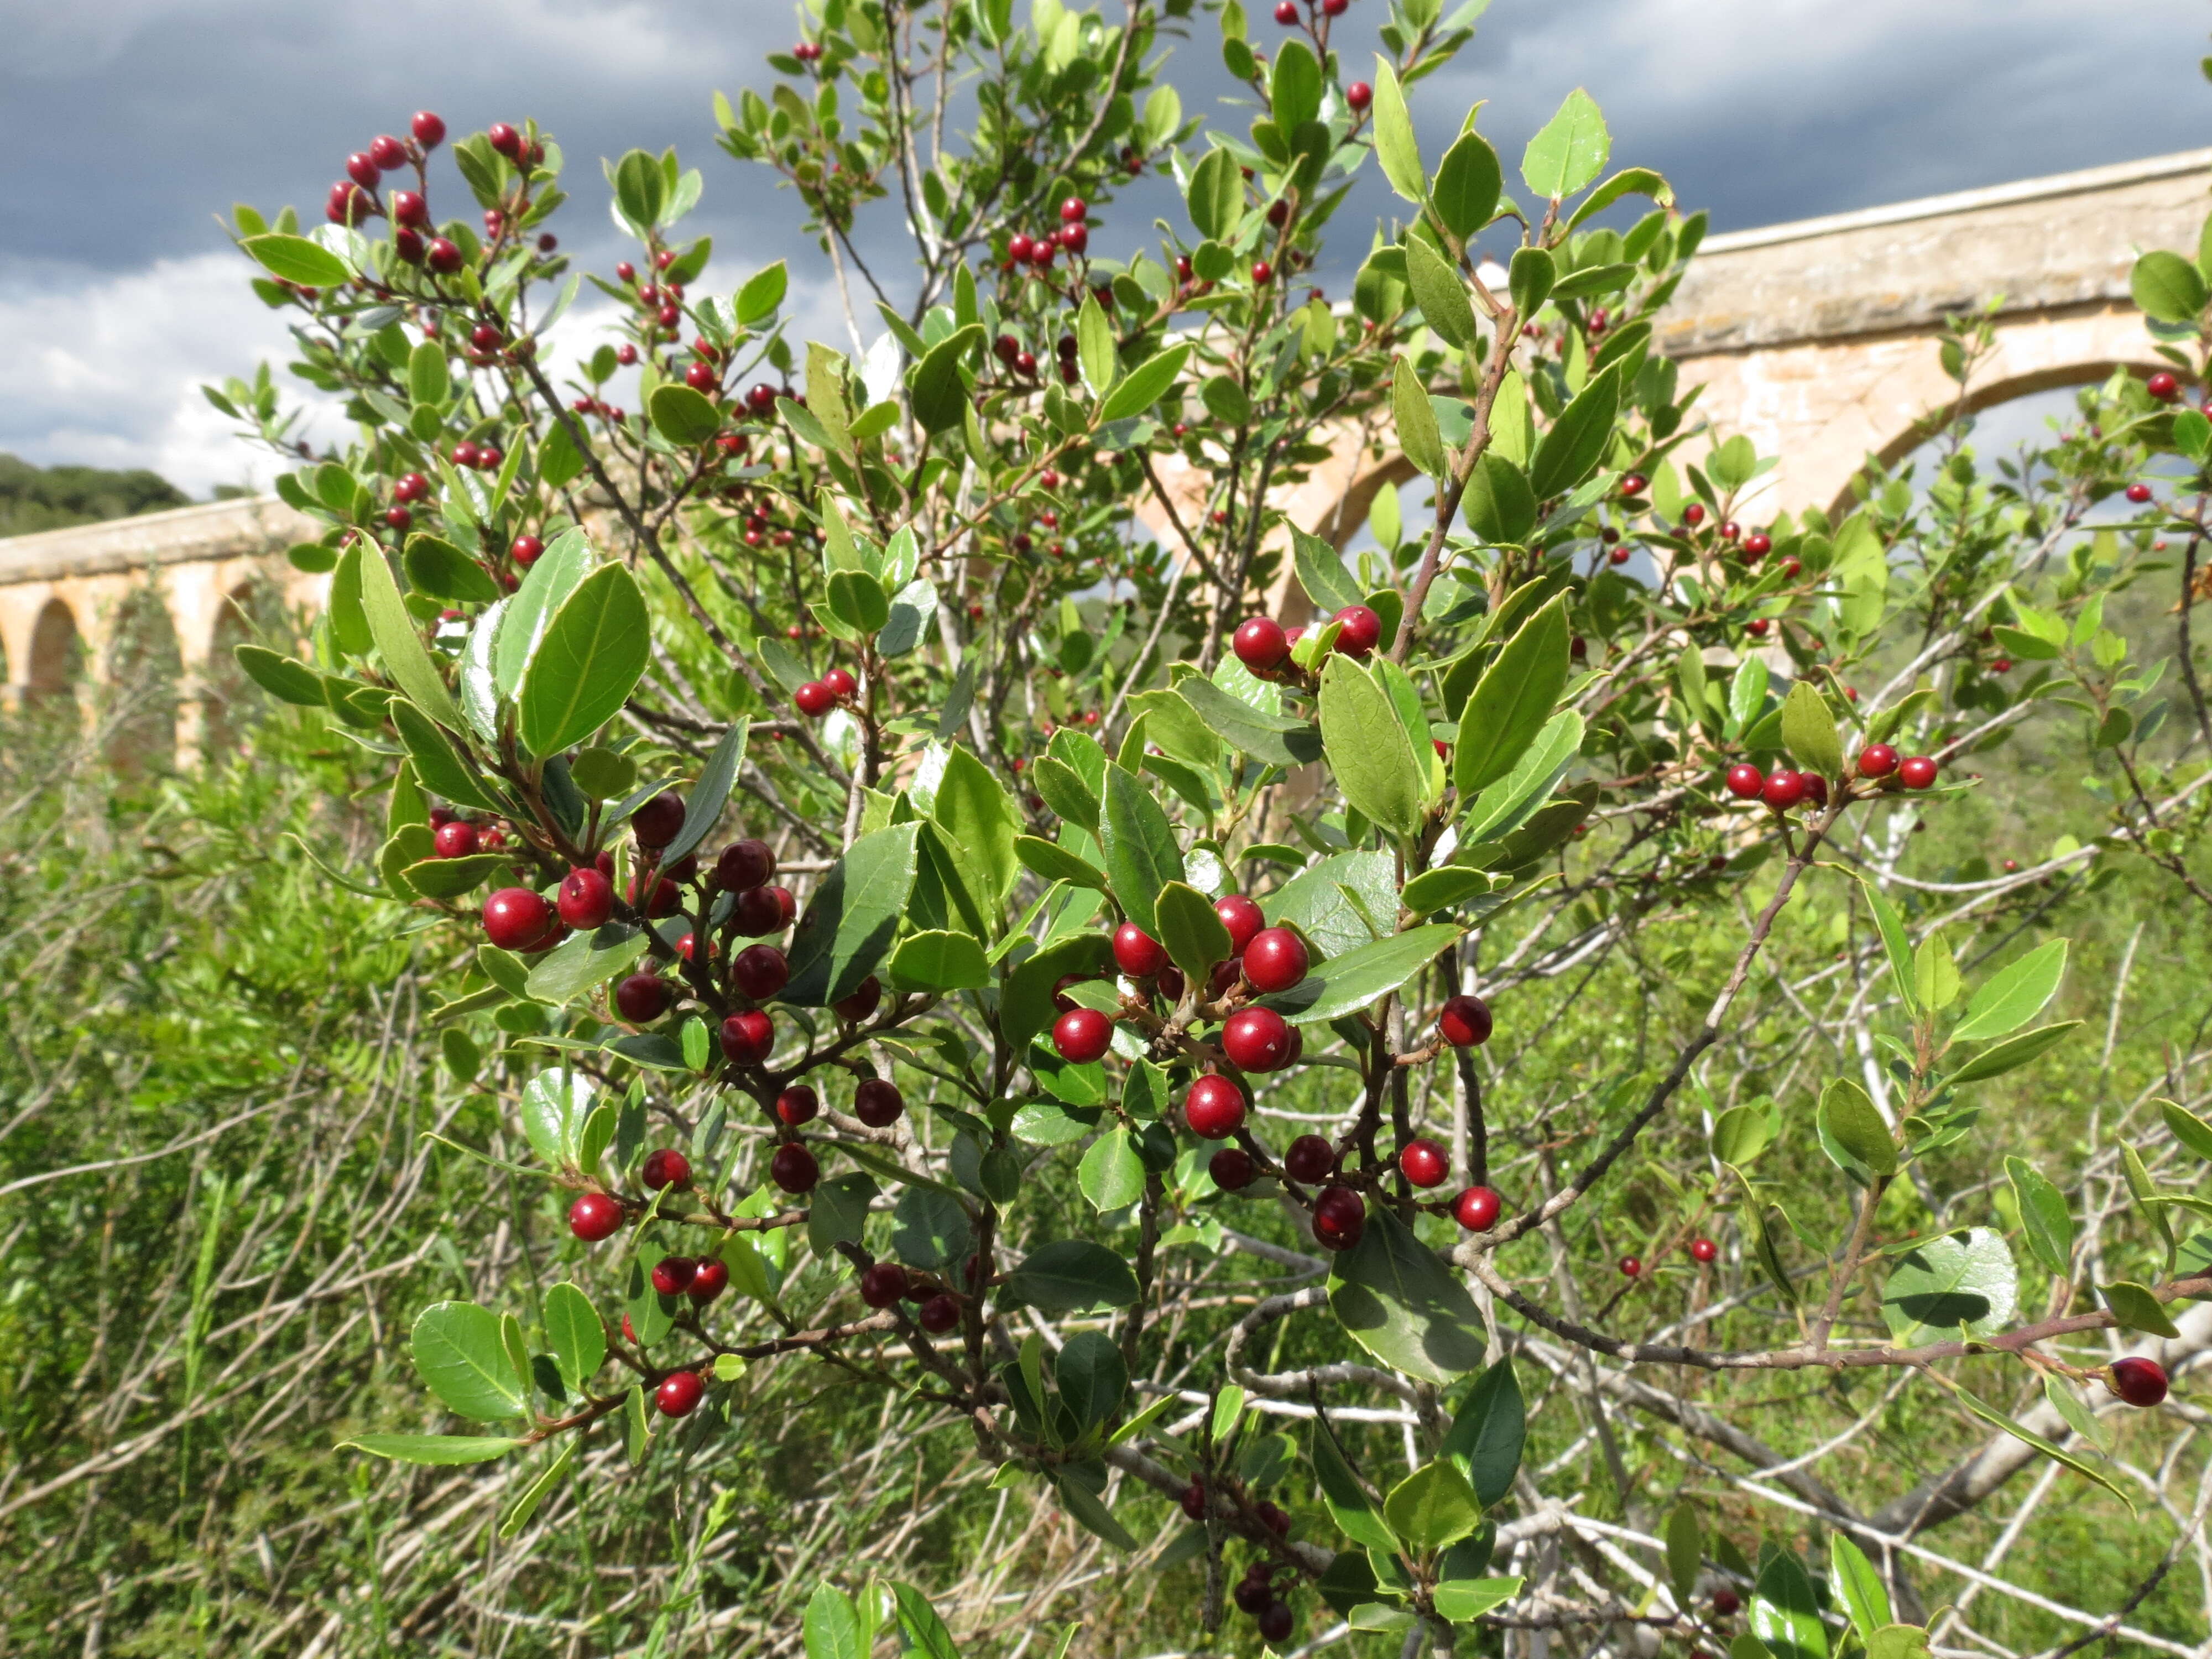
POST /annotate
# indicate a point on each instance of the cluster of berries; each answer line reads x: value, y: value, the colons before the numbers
x: 1783, y: 788
x: 1263, y: 645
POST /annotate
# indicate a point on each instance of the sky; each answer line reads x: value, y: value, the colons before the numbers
x: 130, y: 126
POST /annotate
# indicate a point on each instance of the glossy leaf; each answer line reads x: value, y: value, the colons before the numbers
x: 831, y: 1628
x: 1404, y: 1305
x: 1189, y: 927
x: 1785, y: 1612
x: 586, y: 666
x: 1571, y: 450
x: 1569, y: 150
x: 1960, y: 1278
x: 1433, y: 1506
x: 702, y: 807
x: 683, y: 415
x: 938, y: 960
x: 1441, y: 293
x: 1277, y: 739
x: 1469, y: 180
x: 1417, y: 435
x: 1354, y: 1512
x: 2014, y: 995
x: 1138, y: 844
x: 1808, y: 731
x: 1858, y: 1585
x: 979, y: 819
x: 1853, y: 1134
x: 401, y: 647
x: 1345, y: 984
x: 1486, y: 1436
x: 1396, y: 147
x: 2012, y: 1052
x: 1054, y: 862
x: 852, y: 918
x: 1513, y: 701
x: 438, y: 1450
x: 1111, y: 1173
x: 2166, y: 288
x: 579, y: 1340
x: 584, y: 960
x: 456, y: 1349
x: 2044, y: 1220
x: 2134, y: 1308
x: 1071, y: 1275
x: 1143, y: 385
x: 1368, y: 749
x: 299, y: 260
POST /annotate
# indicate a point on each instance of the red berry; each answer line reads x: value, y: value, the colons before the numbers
x: 793, y: 1167
x: 1214, y: 1108
x: 1464, y: 1021
x: 1815, y: 788
x: 2163, y: 386
x: 940, y: 1314
x: 797, y: 1104
x: 1232, y: 1169
x: 1693, y: 515
x: 1425, y: 1163
x: 672, y: 1274
x: 862, y: 1002
x: 679, y: 1394
x: 743, y: 865
x: 1260, y: 644
x: 1287, y: 12
x: 1340, y: 1215
x: 388, y: 153
x: 1082, y: 1034
x: 1757, y: 545
x: 1877, y: 760
x: 1631, y: 1266
x: 1262, y: 273
x: 878, y: 1102
x: 1634, y: 484
x: 1257, y: 1040
x: 504, y: 139
x: 594, y: 1216
x: 1136, y: 952
x: 1241, y: 917
x: 1359, y: 95
x: 526, y: 551
x: 1727, y: 1602
x: 1361, y: 631
x: 1477, y: 1209
x: 655, y: 823
x: 839, y: 683
x: 665, y: 1166
x: 1193, y: 1501
x: 1730, y: 530
x: 643, y: 998
x: 429, y: 131
x: 712, y: 1278
x: 748, y: 1038
x: 442, y: 256
x: 662, y: 900
x: 814, y: 698
x: 516, y: 919
x: 1617, y: 555
x: 1757, y: 628
x: 1308, y: 1159
x: 456, y: 840
x: 1783, y: 790
x: 1276, y: 1619
x: 1745, y: 781
x: 587, y: 899
x: 883, y: 1284
x: 757, y: 912
x: 759, y: 971
x: 1275, y: 960
x: 2139, y: 493
x: 1916, y: 772
x: 1704, y: 1249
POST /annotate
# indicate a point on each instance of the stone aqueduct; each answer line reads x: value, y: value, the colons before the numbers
x: 1815, y: 338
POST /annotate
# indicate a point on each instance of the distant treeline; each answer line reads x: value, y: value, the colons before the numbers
x: 52, y: 497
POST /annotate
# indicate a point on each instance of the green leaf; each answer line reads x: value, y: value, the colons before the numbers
x: 831, y: 1628
x: 979, y: 820
x: 1441, y: 293
x: 2134, y: 1308
x: 427, y: 380
x: 1190, y: 928
x: 1144, y: 385
x: 393, y: 630
x: 1368, y: 749
x: 939, y: 961
x: 1785, y: 1613
x: 1340, y: 903
x: 1529, y: 282
x: 1462, y: 1600
x: 281, y: 677
x: 702, y: 808
x: 1070, y: 1276
x: 1854, y: 1134
x: 1347, y: 983
x: 1486, y: 1436
x: 1111, y: 1173
x: 1395, y: 146
x: 1064, y: 791
x: 434, y: 566
x: 1090, y: 1511
x: 924, y: 1630
x: 1139, y: 845
x: 1742, y: 1133
x: 1433, y: 1506
x: 458, y: 1350
x: 1216, y: 196
x: 296, y: 259
x: 2166, y: 288
x: 1961, y: 1279
x: 1503, y: 805
x: 1347, y: 1501
x: 2044, y: 1219
x: 583, y: 669
x: 1512, y: 702
x: 1294, y: 94
x: 1898, y: 1641
x: 1094, y: 341
x: 1630, y: 181
x: 2014, y: 996
x: 1418, y: 436
x: 1894, y: 944
x: 1858, y: 1585
x: 1808, y: 731
x: 1054, y: 862
x: 579, y: 1339
x: 1442, y: 888
x: 441, y: 1450
x: 683, y: 415
x: 1276, y: 739
x: 1571, y: 451
x: 2057, y: 1454
x: 1569, y: 150
x: 1469, y: 179
x: 859, y: 601
x: 2012, y: 1053
x: 762, y: 293
x: 436, y: 763
x: 554, y: 1107
x: 854, y: 917
x: 1498, y: 505
x: 940, y: 390
x: 447, y: 879
x: 1685, y: 1550
x: 1403, y: 1305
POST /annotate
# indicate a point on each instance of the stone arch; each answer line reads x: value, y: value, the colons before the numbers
x: 56, y: 655
x: 252, y: 612
x: 144, y: 670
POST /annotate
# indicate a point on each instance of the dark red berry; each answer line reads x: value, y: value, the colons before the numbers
x: 1276, y: 1619
x: 1257, y: 1040
x: 665, y: 1167
x: 1193, y: 1501
x: 759, y: 971
x: 878, y: 1102
x: 1704, y: 1249
x: 679, y: 1394
x: 814, y: 698
x: 1359, y: 95
x: 1275, y: 960
x: 1631, y: 1267
x: 1877, y: 760
x: 1260, y: 644
x: 1082, y: 1034
x: 1726, y: 1602
x: 1425, y: 1163
x: 1464, y: 1021
x: 748, y: 1038
x: 1214, y: 1107
x: 1340, y: 1215
x: 1916, y: 772
x: 2163, y: 386
x: 1308, y: 1159
x: 643, y: 998
x: 940, y: 1314
x: 839, y: 683
x: 516, y: 919
x: 593, y: 1217
x: 862, y: 1002
x: 1477, y: 1209
x: 1136, y: 952
x: 1241, y: 917
x: 712, y: 1278
x: 793, y: 1167
x: 429, y: 131
x: 672, y: 1274
x: 1232, y: 1169
x: 655, y: 823
x: 1783, y: 789
x: 1362, y: 630
x: 1745, y: 781
x: 883, y: 1284
x: 456, y: 840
